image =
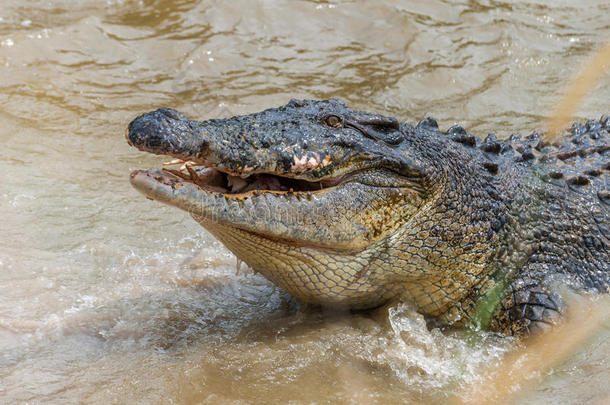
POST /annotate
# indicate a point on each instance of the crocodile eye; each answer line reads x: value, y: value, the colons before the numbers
x: 333, y: 121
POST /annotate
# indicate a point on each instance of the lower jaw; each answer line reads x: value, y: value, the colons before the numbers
x: 220, y: 231
x: 287, y: 219
x: 300, y: 270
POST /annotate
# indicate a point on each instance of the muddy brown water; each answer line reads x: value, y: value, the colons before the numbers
x: 106, y: 297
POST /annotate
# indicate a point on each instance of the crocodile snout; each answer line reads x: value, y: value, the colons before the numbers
x: 164, y: 131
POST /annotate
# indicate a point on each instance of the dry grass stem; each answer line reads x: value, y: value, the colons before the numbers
x: 518, y: 372
x: 577, y: 90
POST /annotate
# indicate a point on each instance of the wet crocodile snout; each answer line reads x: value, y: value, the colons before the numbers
x: 163, y: 131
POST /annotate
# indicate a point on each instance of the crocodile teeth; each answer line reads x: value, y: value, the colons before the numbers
x: 212, y: 179
x: 208, y: 178
x: 192, y: 173
x: 187, y: 164
x: 182, y: 162
x: 178, y: 173
x: 173, y: 162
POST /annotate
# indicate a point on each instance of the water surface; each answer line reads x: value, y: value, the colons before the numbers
x: 106, y: 297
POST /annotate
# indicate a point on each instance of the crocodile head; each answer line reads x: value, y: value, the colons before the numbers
x: 311, y: 194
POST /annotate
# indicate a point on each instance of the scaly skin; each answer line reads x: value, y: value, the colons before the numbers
x: 347, y: 208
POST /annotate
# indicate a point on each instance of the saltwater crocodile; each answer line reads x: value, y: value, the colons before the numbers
x: 347, y: 208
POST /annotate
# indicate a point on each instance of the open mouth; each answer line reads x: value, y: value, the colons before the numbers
x: 212, y: 179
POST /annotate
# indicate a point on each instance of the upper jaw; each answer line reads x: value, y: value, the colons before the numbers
x: 207, y: 163
x: 235, y: 148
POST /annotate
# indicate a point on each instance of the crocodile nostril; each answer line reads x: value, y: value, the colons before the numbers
x: 145, y: 132
x: 165, y: 131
